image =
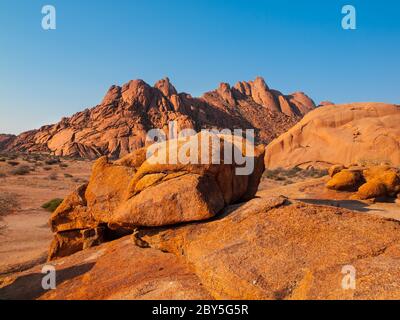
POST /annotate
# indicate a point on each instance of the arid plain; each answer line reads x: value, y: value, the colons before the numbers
x: 82, y: 195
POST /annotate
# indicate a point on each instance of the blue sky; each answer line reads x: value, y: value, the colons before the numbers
x: 294, y: 45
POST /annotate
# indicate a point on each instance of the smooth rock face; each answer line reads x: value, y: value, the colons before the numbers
x: 340, y: 134
x: 119, y: 124
x: 116, y: 270
x: 268, y: 248
x: 187, y: 198
x: 137, y: 192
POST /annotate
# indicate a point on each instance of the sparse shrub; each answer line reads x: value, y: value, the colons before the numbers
x: 63, y: 165
x: 52, y: 205
x: 67, y: 175
x: 287, y: 182
x: 12, y: 156
x: 2, y: 159
x: 274, y: 174
x: 289, y: 176
x: 268, y: 174
x: 36, y: 157
x: 314, y: 173
x: 291, y: 173
x: 13, y: 163
x: 21, y: 170
x: 52, y: 161
x: 2, y: 175
x: 47, y: 168
x: 53, y: 176
x: 373, y: 162
x: 8, y: 203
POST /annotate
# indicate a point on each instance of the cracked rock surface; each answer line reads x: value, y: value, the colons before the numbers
x: 267, y: 248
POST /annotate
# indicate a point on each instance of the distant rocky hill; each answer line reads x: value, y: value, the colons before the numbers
x: 363, y: 133
x: 6, y: 139
x: 118, y: 125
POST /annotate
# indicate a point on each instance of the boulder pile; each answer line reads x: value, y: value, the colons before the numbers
x: 373, y: 182
x: 139, y: 191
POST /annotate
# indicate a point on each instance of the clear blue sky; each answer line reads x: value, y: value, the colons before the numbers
x: 294, y: 45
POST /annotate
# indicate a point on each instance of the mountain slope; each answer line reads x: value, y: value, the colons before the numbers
x: 120, y: 122
x: 5, y: 140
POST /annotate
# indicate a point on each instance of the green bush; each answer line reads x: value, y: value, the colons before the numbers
x: 52, y: 205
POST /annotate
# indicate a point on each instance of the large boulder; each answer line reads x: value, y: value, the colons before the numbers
x: 267, y: 248
x: 270, y: 248
x: 363, y: 133
x: 138, y: 192
x: 345, y: 180
x: 369, y: 182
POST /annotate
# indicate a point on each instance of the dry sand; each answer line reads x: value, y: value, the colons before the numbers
x: 313, y: 191
x: 24, y: 232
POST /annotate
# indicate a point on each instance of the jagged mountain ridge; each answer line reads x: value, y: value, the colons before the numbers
x: 119, y: 124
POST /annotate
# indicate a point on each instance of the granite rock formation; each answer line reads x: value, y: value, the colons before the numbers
x: 119, y: 124
x: 358, y: 133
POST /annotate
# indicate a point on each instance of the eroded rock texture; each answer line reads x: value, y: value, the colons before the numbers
x: 268, y: 248
x: 138, y: 192
x: 119, y: 124
x: 362, y: 133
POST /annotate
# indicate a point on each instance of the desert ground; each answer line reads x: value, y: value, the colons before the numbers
x: 309, y: 186
x: 28, y: 182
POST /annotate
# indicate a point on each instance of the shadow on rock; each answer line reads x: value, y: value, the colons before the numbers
x: 29, y: 287
x: 347, y: 204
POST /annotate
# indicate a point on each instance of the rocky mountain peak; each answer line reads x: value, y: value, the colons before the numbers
x: 165, y: 86
x: 119, y: 124
x: 225, y: 92
x: 112, y: 94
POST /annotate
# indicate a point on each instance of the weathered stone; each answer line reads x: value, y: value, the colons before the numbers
x: 132, y: 193
x: 288, y: 251
x: 68, y: 242
x: 335, y: 169
x: 119, y: 125
x: 117, y: 270
x: 345, y: 180
x: 363, y: 133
